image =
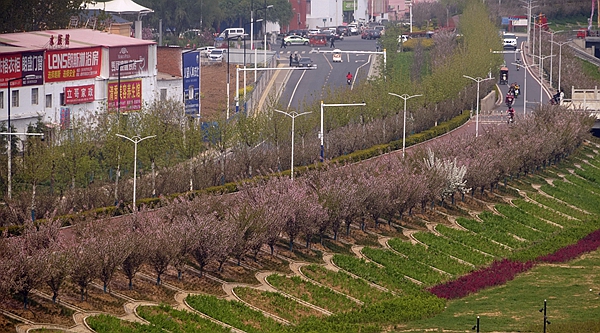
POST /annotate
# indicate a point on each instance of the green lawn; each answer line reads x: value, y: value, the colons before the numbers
x: 515, y: 306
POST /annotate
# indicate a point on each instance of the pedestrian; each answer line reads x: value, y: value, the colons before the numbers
x: 291, y: 58
x: 332, y: 42
x: 283, y: 43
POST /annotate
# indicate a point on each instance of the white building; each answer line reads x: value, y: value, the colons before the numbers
x: 70, y: 72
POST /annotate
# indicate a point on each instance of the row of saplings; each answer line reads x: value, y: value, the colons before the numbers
x: 319, y: 203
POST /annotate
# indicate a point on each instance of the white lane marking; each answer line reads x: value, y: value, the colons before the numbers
x: 295, y: 88
x: 356, y: 73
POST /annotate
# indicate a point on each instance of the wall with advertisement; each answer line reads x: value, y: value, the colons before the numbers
x: 191, y: 82
x: 72, y: 64
x: 15, y: 65
x: 131, y: 95
x: 124, y: 56
x: 79, y: 94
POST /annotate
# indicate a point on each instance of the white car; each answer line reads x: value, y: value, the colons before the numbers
x: 217, y: 54
x: 337, y: 55
x: 205, y: 50
x: 509, y: 41
x: 353, y: 29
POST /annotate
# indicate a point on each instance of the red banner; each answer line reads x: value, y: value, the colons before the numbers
x: 10, y: 68
x: 72, y: 64
x: 79, y: 94
x: 131, y: 95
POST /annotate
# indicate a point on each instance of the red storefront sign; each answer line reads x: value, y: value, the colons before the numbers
x: 79, y: 94
x: 131, y: 95
x: 72, y: 64
x: 125, y: 56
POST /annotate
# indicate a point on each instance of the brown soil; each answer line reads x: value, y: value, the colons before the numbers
x: 214, y: 87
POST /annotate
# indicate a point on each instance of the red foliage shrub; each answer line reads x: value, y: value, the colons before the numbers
x: 496, y: 274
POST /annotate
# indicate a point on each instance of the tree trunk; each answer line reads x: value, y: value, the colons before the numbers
x: 153, y: 165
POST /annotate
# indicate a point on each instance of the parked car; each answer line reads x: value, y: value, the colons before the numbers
x: 307, y: 62
x: 300, y: 32
x: 205, y: 50
x: 295, y: 40
x: 342, y: 30
x: 353, y: 29
x: 370, y: 34
x: 217, y: 54
x: 314, y: 31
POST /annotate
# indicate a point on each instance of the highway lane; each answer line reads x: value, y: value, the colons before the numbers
x: 313, y: 85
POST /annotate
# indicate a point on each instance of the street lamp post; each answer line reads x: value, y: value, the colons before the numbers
x: 292, y: 115
x: 406, y: 97
x: 9, y: 148
x: 478, y: 80
x: 135, y: 141
x: 322, y: 133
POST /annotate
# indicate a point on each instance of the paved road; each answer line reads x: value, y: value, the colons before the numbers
x: 313, y: 85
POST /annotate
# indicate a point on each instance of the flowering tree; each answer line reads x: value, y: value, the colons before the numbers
x: 58, y: 264
x: 451, y: 175
x: 162, y: 250
x: 29, y: 254
x: 86, y: 264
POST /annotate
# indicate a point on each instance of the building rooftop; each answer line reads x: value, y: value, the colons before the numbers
x: 78, y: 38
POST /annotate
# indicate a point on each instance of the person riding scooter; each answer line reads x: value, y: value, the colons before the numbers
x: 349, y: 78
x: 510, y: 98
x: 511, y: 114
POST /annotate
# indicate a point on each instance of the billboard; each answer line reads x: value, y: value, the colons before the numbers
x: 79, y: 94
x: 191, y: 82
x: 124, y: 56
x: 131, y: 95
x: 72, y: 64
x: 23, y: 64
x: 348, y: 6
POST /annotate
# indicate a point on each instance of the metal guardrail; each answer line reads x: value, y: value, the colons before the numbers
x: 584, y: 55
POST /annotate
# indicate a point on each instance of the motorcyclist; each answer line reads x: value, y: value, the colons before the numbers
x: 517, y: 90
x: 518, y: 63
x: 349, y: 77
x: 509, y: 99
x: 511, y: 114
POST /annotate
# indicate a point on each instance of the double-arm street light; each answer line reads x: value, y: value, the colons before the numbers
x: 405, y: 97
x: 542, y: 74
x: 9, y: 133
x: 135, y: 141
x: 322, y: 133
x: 292, y: 115
x: 478, y: 80
x: 552, y: 50
x: 560, y: 44
x: 265, y: 46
